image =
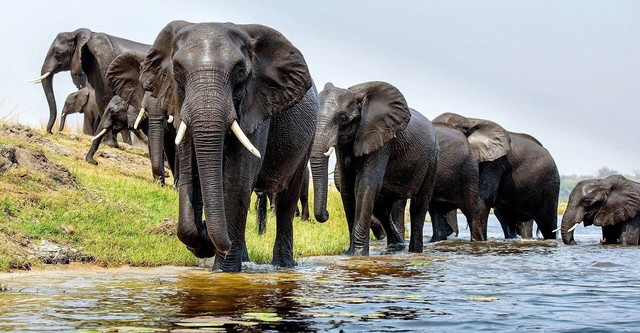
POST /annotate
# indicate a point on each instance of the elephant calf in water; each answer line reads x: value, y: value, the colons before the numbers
x: 612, y: 203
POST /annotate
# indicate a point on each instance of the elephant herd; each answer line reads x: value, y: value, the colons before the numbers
x: 233, y: 109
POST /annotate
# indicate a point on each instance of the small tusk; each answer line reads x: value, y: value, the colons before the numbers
x: 556, y: 230
x: 235, y: 128
x: 330, y: 151
x: 574, y: 227
x: 181, y: 132
x: 38, y: 80
x: 170, y: 120
x: 99, y: 135
x: 139, y: 119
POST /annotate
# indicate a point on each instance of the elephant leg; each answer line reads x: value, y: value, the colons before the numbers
x: 630, y: 232
x: 304, y: 196
x: 418, y: 211
x: 610, y: 234
x: 367, y: 187
x: 126, y: 136
x: 525, y: 229
x: 547, y: 220
x: 397, y: 216
x: 285, y: 209
x: 110, y: 139
x: 382, y: 211
x: 348, y: 203
x: 95, y: 144
x: 439, y: 223
x: 261, y: 211
x: 507, y: 223
x: 377, y: 229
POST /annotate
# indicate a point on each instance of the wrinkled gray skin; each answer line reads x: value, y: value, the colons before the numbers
x: 212, y: 74
x: 82, y: 101
x: 87, y: 55
x: 518, y: 176
x: 612, y: 203
x: 386, y: 153
x: 261, y: 203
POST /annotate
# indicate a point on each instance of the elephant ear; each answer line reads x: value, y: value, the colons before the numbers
x: 82, y: 36
x: 488, y: 140
x: 623, y: 202
x: 280, y: 76
x: 123, y: 75
x: 156, y: 74
x: 384, y: 112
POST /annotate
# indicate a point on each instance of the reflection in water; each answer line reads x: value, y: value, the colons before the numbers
x: 455, y: 285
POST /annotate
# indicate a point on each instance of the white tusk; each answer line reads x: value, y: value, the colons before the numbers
x: 556, y: 230
x: 330, y: 151
x: 139, y: 118
x: 181, y: 132
x: 99, y: 135
x: 574, y: 227
x: 38, y: 80
x: 235, y: 128
x: 170, y: 120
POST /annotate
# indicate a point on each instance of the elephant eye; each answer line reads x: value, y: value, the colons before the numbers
x: 343, y: 118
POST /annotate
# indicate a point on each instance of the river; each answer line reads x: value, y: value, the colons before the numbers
x: 453, y: 286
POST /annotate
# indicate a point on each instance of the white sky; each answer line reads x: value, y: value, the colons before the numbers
x: 567, y: 72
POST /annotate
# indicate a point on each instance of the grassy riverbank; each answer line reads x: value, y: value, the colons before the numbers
x: 113, y: 214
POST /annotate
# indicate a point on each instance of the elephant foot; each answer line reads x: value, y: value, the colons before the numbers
x: 357, y: 251
x: 416, y: 249
x: 287, y: 263
x: 91, y: 160
x: 394, y: 247
x: 437, y: 238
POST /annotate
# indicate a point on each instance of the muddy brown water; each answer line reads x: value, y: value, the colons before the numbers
x: 454, y: 286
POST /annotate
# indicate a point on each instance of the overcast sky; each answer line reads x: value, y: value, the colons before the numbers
x: 566, y: 72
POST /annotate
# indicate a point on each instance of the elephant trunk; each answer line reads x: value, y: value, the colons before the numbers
x: 319, y: 172
x: 209, y: 145
x: 47, y: 86
x: 325, y: 139
x: 63, y: 119
x: 156, y: 146
x: 572, y: 216
x: 207, y: 111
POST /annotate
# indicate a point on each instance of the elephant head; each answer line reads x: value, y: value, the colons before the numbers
x: 362, y: 119
x: 488, y: 141
x: 601, y: 202
x: 219, y: 78
x: 78, y: 102
x: 64, y: 54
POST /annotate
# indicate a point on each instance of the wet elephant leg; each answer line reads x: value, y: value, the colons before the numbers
x: 630, y: 232
x: 507, y: 222
x: 418, y: 211
x: 439, y: 223
x: 261, y: 211
x: 286, y: 205
x: 382, y: 211
x: 377, y: 229
x: 397, y: 216
x: 525, y: 229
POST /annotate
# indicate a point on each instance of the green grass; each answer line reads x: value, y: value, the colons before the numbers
x: 115, y: 210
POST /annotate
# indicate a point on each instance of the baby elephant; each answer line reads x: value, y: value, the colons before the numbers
x: 612, y: 203
x: 82, y: 101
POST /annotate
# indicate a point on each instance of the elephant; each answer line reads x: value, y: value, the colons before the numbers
x: 385, y: 151
x: 247, y: 111
x: 262, y: 197
x: 612, y: 203
x: 123, y: 77
x: 518, y: 177
x: 82, y: 101
x: 87, y: 55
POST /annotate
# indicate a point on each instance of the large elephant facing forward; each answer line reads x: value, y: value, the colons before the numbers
x: 518, y: 176
x: 247, y: 109
x: 612, y: 203
x: 87, y: 55
x: 386, y: 152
